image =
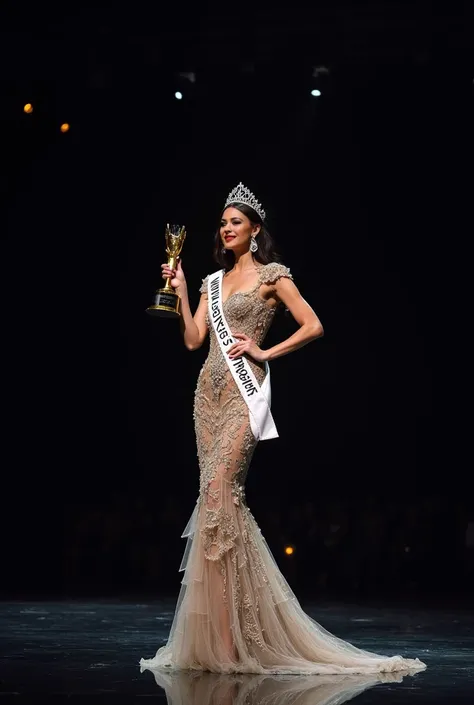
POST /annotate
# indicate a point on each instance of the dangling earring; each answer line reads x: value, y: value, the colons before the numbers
x: 223, y: 250
x: 253, y: 244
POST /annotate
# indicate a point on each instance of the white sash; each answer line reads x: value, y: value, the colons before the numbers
x: 257, y: 398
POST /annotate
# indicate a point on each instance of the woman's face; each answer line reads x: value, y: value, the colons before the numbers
x: 236, y: 230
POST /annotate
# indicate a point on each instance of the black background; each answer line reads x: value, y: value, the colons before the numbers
x: 367, y: 189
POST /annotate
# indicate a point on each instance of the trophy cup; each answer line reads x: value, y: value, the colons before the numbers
x: 166, y: 299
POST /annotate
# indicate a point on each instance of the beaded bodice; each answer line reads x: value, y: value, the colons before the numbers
x: 246, y: 312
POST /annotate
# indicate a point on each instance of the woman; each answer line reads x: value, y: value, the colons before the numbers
x: 235, y: 611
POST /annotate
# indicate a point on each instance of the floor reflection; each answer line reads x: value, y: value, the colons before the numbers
x: 202, y: 688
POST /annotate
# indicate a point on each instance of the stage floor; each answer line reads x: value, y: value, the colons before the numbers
x: 88, y: 650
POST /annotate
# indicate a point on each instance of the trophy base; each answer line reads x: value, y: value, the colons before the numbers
x: 166, y: 305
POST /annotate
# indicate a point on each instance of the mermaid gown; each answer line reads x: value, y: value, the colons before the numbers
x: 235, y: 611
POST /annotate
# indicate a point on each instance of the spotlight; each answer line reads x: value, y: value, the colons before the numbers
x: 65, y: 127
x: 320, y: 76
x: 184, y: 84
x: 28, y: 108
x: 289, y: 550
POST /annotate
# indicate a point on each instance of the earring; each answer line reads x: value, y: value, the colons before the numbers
x: 223, y: 250
x: 253, y: 244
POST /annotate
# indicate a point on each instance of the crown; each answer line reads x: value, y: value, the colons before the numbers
x: 241, y: 194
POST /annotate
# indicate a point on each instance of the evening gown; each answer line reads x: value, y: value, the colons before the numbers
x: 235, y: 611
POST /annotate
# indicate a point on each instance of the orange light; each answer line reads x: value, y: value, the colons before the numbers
x: 28, y: 108
x: 289, y: 550
x: 64, y: 127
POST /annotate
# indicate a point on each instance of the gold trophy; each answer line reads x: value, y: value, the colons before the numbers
x: 166, y: 299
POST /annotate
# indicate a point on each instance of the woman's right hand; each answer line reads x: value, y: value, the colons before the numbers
x: 177, y: 278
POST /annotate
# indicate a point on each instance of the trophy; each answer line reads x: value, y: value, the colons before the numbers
x: 166, y: 299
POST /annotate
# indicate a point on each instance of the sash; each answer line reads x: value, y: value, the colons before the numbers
x: 257, y: 398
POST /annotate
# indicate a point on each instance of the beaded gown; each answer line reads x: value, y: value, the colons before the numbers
x: 236, y: 612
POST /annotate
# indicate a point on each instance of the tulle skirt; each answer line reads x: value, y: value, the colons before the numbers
x: 236, y: 612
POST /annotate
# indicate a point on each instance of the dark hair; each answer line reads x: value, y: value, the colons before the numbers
x: 266, y: 252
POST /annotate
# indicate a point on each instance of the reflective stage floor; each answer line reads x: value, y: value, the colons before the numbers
x: 78, y: 651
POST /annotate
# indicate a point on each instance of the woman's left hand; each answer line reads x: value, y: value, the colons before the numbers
x: 246, y: 346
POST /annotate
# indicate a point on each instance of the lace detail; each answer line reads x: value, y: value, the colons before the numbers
x: 218, y: 534
x: 252, y: 630
x: 270, y: 273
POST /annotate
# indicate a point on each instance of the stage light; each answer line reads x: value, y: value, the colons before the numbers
x: 319, y: 80
x: 28, y: 108
x: 64, y: 127
x: 289, y: 550
x: 178, y: 95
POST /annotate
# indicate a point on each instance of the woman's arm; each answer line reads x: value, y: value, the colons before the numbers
x: 310, y: 325
x: 194, y: 328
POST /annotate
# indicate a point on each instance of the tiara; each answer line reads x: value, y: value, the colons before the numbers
x: 241, y: 194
